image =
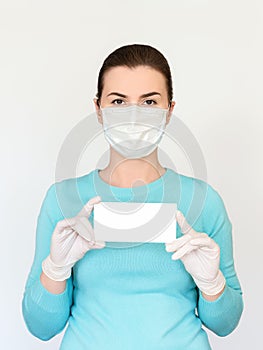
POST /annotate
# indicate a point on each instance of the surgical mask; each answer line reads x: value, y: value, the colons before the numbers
x: 134, y: 131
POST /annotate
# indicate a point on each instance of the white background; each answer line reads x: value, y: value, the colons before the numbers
x: 51, y: 52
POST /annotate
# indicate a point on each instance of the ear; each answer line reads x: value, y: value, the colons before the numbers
x: 98, y: 111
x: 171, y: 108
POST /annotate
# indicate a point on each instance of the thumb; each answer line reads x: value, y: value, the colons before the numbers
x: 89, y: 206
x: 86, y: 210
x: 185, y: 227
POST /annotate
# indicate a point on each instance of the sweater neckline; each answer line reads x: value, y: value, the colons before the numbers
x: 123, y: 190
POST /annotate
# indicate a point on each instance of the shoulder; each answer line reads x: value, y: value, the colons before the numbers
x: 201, y: 203
x: 214, y: 215
x: 186, y: 182
x: 212, y: 198
x: 69, y: 184
x: 65, y: 198
x: 190, y: 191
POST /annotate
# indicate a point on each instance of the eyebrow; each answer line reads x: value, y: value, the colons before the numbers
x: 142, y: 96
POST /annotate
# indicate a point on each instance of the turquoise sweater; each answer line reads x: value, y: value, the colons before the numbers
x: 133, y: 297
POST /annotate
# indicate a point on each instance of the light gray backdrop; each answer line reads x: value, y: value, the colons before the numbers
x: 51, y: 52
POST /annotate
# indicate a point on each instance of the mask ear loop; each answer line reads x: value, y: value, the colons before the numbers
x: 168, y: 114
x: 99, y: 111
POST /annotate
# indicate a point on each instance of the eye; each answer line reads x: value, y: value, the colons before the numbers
x: 150, y: 102
x: 117, y: 101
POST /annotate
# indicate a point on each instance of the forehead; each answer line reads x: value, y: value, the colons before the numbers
x: 141, y: 79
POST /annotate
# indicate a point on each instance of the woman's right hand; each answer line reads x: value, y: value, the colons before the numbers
x: 70, y: 241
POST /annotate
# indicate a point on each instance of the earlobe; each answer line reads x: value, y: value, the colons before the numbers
x: 99, y: 115
x: 172, y: 105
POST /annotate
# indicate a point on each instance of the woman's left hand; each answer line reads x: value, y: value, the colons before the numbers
x: 200, y: 255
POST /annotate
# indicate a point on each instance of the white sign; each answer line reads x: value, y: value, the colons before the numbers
x: 135, y: 222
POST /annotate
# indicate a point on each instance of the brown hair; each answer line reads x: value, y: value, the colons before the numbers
x: 136, y: 55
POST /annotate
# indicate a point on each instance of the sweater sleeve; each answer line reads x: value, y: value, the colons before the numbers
x: 45, y: 314
x: 222, y: 315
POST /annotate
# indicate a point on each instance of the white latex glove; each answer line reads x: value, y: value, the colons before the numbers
x: 70, y: 241
x: 200, y: 255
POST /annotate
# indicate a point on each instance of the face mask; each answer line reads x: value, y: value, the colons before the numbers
x: 134, y: 131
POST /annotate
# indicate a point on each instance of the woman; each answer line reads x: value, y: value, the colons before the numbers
x: 149, y: 296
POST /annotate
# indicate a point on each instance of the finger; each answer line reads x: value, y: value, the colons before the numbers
x: 86, y: 210
x: 201, y: 240
x: 99, y: 245
x: 63, y: 224
x: 83, y: 228
x: 93, y: 201
x: 95, y: 244
x: 186, y: 249
x: 85, y: 245
x: 204, y: 241
x: 178, y: 243
x: 185, y: 227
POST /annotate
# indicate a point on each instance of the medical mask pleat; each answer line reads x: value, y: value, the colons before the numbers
x: 134, y: 131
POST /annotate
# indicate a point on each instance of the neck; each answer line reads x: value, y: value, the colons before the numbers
x: 124, y: 172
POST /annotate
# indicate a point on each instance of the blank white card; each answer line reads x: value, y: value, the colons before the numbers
x: 135, y: 222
